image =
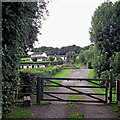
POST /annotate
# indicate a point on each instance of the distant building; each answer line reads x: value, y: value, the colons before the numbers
x: 41, y: 56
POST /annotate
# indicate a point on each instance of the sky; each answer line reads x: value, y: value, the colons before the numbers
x: 68, y: 23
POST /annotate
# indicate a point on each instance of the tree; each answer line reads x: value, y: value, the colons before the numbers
x: 51, y: 58
x: 71, y: 56
x: 104, y: 33
x: 21, y: 23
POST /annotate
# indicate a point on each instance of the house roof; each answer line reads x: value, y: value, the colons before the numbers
x: 37, y: 53
x: 60, y: 55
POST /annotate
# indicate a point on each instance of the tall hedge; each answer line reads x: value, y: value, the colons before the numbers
x: 105, y: 34
x: 20, y: 24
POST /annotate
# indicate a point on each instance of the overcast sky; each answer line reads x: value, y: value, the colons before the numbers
x: 68, y: 23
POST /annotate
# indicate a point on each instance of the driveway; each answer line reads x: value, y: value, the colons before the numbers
x: 62, y: 109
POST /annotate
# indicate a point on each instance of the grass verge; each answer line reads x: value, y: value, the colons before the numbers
x: 97, y: 90
x: 18, y: 113
x: 116, y: 108
x: 78, y: 116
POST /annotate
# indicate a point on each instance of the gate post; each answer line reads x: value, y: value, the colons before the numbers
x: 110, y: 88
x: 118, y: 90
x: 106, y: 91
x: 110, y: 93
x: 39, y: 89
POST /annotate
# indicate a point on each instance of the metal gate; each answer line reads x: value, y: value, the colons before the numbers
x: 42, y: 83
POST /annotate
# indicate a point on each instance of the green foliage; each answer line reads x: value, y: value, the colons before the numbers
x: 21, y: 23
x: 34, y: 59
x: 45, y: 102
x: 65, y: 65
x: 91, y: 74
x: 22, y: 59
x: 38, y: 62
x: 18, y: 113
x: 78, y: 116
x: 89, y: 65
x: 104, y: 32
x: 57, y: 51
x: 51, y: 58
x: 71, y: 56
x: 86, y: 55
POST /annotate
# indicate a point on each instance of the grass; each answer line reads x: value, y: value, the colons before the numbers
x: 78, y: 64
x: 78, y: 116
x: 74, y: 97
x: 91, y: 74
x: 97, y: 90
x: 116, y: 108
x: 45, y: 102
x: 61, y: 74
x: 18, y: 113
x: 24, y: 58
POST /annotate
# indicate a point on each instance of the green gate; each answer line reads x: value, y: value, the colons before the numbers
x: 42, y: 83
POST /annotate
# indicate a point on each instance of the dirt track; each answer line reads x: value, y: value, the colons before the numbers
x: 62, y: 109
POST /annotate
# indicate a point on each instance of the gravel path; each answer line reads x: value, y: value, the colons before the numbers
x: 62, y: 109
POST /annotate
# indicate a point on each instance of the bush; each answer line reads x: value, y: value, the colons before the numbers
x: 65, y: 65
x: 89, y: 65
x: 34, y: 59
x: 60, y: 62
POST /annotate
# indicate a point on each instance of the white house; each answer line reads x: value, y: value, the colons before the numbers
x: 41, y: 56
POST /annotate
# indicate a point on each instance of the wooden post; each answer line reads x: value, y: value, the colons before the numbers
x: 110, y: 93
x: 106, y: 91
x: 39, y: 89
x: 118, y: 90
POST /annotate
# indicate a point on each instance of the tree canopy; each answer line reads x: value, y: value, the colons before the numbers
x: 105, y: 34
x: 58, y: 51
x: 21, y: 22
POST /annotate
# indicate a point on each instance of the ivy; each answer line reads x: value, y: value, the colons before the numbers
x: 20, y: 27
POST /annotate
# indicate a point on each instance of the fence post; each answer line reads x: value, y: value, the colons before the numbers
x: 39, y: 89
x: 118, y: 90
x: 110, y: 92
x: 106, y: 91
x: 110, y: 88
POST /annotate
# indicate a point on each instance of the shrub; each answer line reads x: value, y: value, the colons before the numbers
x: 34, y: 59
x: 65, y: 65
x: 89, y: 65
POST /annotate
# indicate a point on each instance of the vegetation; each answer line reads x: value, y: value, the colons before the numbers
x: 45, y: 102
x: 34, y: 59
x: 116, y: 108
x: 61, y: 74
x: 59, y: 62
x: 91, y: 74
x: 74, y: 97
x: 78, y: 116
x: 57, y: 51
x: 18, y: 113
x: 105, y: 35
x: 71, y: 57
x: 51, y: 58
x: 20, y: 22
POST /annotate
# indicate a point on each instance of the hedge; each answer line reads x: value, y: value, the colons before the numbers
x: 42, y: 62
